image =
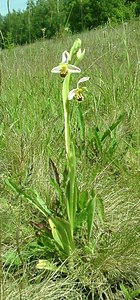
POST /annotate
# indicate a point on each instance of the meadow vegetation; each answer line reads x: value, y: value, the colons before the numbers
x: 105, y: 130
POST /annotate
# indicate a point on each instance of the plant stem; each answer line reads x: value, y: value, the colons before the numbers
x: 71, y: 163
x: 65, y: 92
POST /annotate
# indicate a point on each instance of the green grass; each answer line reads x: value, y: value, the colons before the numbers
x: 32, y: 131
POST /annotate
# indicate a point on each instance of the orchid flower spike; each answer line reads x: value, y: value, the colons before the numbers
x: 64, y: 67
x: 78, y: 92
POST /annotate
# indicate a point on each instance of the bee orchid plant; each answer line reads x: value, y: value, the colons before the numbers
x: 65, y: 69
x: 76, y: 206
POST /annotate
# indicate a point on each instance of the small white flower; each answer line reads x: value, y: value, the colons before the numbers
x: 64, y: 67
x: 78, y: 92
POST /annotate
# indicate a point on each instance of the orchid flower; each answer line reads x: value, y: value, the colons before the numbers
x: 78, y: 92
x: 64, y: 67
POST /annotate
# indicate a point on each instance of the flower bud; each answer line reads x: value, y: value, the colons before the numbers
x: 74, y: 49
x: 80, y: 54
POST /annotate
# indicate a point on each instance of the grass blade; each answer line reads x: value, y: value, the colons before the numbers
x: 113, y: 126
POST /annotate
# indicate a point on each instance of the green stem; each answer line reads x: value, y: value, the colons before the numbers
x: 65, y: 92
x: 71, y: 162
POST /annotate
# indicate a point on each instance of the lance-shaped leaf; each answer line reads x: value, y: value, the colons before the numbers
x: 35, y: 200
x: 53, y: 171
x: 47, y: 265
x: 61, y: 232
x: 83, y: 199
x: 72, y: 190
x: 57, y: 189
x: 100, y: 209
x: 91, y: 207
x: 81, y: 123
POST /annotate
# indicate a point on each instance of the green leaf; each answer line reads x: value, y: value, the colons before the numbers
x: 72, y: 189
x: 72, y: 195
x: 90, y: 247
x: 83, y: 198
x: 125, y: 292
x: 61, y: 232
x: 80, y: 218
x: 46, y: 241
x: 112, y: 147
x: 59, y: 236
x: 67, y: 227
x: 37, y: 202
x: 57, y: 188
x: 65, y: 175
x: 12, y: 186
x: 81, y: 123
x: 91, y: 207
x: 135, y: 293
x: 129, y: 295
x: 75, y: 200
x: 112, y: 127
x: 97, y: 140
x: 11, y: 258
x: 53, y: 171
x: 100, y: 208
x: 47, y: 265
x: 42, y: 204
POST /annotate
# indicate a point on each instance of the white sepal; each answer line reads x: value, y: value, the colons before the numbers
x: 56, y: 69
x: 65, y: 57
x: 71, y: 94
x: 82, y: 80
x: 73, y: 69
